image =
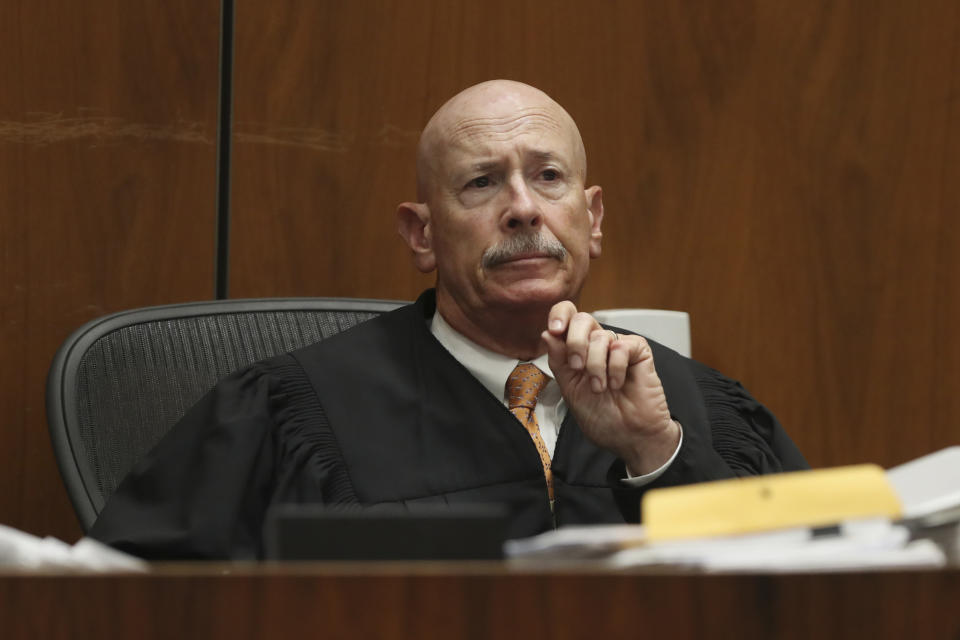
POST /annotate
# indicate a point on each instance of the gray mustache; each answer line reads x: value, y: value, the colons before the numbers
x: 523, y: 243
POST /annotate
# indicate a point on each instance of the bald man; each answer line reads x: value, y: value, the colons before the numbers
x: 492, y: 388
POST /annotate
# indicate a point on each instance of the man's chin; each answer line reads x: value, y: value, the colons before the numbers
x: 528, y: 294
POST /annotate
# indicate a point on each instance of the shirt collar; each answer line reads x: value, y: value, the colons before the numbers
x: 489, y: 367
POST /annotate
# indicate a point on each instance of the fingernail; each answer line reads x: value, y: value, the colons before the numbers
x: 576, y: 362
x: 596, y: 385
x: 557, y: 324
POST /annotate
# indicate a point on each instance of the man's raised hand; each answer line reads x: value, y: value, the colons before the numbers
x: 611, y: 385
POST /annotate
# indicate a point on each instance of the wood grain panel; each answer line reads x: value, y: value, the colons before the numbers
x: 107, y: 183
x: 787, y: 172
x: 437, y: 601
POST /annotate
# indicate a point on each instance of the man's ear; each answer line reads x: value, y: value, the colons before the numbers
x: 413, y: 223
x: 595, y: 210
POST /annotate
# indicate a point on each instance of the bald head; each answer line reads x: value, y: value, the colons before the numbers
x: 503, y: 214
x: 476, y: 111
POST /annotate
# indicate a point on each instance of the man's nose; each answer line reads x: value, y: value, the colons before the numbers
x: 522, y: 210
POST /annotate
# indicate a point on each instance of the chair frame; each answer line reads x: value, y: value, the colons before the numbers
x: 61, y: 397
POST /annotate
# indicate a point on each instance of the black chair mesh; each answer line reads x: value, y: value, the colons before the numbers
x: 136, y: 382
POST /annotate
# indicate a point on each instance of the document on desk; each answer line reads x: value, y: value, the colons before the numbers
x: 21, y: 550
x: 929, y: 487
x: 856, y: 545
x: 846, y: 518
x: 576, y: 543
x: 738, y: 506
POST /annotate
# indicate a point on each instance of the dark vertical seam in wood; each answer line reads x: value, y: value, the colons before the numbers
x: 224, y: 133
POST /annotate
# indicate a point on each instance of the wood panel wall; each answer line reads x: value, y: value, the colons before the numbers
x: 786, y: 172
x: 107, y: 198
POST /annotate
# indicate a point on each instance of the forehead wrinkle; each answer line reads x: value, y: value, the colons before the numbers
x: 502, y: 127
x: 467, y: 118
x: 534, y: 153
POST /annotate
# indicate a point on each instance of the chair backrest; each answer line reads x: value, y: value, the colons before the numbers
x: 120, y: 382
x: 670, y: 328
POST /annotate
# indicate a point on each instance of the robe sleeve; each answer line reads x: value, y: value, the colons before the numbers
x: 258, y: 438
x: 746, y: 435
x: 743, y: 439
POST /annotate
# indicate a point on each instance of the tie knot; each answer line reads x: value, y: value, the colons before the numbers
x: 524, y: 385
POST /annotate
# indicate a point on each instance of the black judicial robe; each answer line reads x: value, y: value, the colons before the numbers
x: 383, y: 414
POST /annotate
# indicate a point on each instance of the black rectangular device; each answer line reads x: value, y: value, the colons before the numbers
x: 428, y: 532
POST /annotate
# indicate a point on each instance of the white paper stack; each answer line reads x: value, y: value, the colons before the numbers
x: 20, y: 550
x: 929, y: 488
x: 852, y: 546
x: 928, y: 535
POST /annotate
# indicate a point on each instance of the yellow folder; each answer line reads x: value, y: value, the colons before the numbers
x: 814, y: 498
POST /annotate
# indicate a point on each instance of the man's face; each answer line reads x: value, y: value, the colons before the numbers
x: 510, y: 223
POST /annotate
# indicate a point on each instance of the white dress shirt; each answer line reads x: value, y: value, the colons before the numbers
x: 492, y: 370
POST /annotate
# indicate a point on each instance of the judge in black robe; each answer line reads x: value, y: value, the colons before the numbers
x: 382, y: 413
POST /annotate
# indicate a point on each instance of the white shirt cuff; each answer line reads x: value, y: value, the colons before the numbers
x: 647, y: 478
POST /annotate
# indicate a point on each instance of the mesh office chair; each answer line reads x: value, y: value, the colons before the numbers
x: 120, y: 382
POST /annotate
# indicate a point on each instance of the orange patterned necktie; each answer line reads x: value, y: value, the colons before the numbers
x: 523, y: 386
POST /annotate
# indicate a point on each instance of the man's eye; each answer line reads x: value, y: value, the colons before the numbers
x: 479, y: 182
x: 550, y: 175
